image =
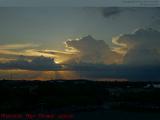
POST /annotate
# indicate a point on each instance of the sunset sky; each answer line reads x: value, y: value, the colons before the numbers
x: 79, y: 42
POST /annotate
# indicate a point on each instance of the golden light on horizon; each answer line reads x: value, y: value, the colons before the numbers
x: 65, y: 75
x: 58, y: 61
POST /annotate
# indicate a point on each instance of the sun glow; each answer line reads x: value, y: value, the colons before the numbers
x: 58, y: 61
x: 65, y: 75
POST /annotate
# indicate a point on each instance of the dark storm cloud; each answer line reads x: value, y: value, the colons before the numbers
x: 108, y: 12
x: 142, y: 47
x: 114, y: 11
x: 37, y: 63
x: 151, y: 12
x: 111, y: 11
x: 156, y: 18
x: 117, y: 72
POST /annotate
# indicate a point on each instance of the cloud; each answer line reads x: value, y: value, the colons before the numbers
x: 9, y: 52
x: 61, y: 57
x: 3, y: 60
x: 114, y: 11
x: 85, y: 50
x: 90, y: 50
x: 142, y: 47
x: 13, y: 51
x: 111, y: 11
x: 17, y: 46
x: 40, y: 63
x: 152, y: 13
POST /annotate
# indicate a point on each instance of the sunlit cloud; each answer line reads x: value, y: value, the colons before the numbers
x: 12, y: 51
x: 34, y: 52
x: 61, y: 57
x: 141, y: 47
x: 120, y: 48
x: 18, y: 74
x: 90, y: 50
x: 4, y: 60
x: 84, y: 50
x: 17, y: 46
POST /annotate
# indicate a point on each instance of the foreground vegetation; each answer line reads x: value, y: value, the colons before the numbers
x: 77, y: 95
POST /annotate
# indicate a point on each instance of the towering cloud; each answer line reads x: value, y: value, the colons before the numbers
x: 90, y: 50
x: 142, y: 47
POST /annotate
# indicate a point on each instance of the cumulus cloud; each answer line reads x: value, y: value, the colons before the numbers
x: 142, y: 47
x: 37, y: 63
x: 90, y: 50
x: 85, y: 50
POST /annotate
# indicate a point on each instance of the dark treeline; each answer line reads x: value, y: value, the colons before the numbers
x: 54, y: 95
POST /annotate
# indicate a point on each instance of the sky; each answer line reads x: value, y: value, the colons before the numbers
x: 75, y: 42
x: 82, y: 3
